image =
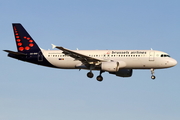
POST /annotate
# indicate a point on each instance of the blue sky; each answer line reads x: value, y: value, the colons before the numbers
x: 29, y: 91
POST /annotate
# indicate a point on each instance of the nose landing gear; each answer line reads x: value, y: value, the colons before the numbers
x: 152, y: 73
x: 153, y: 77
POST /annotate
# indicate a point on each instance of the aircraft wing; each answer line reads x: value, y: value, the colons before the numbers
x: 78, y: 56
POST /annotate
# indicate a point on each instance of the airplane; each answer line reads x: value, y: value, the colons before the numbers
x: 117, y: 62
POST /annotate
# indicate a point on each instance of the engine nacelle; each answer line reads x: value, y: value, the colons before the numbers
x: 112, y: 66
x: 123, y: 72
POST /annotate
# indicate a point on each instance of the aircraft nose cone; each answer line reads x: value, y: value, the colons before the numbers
x: 175, y: 62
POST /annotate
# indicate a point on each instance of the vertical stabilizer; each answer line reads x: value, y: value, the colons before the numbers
x: 24, y: 42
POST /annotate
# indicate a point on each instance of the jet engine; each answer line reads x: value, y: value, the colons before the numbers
x: 112, y: 66
x: 123, y: 72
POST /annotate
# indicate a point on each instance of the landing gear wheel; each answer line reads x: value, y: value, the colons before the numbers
x: 153, y: 77
x: 99, y: 78
x: 152, y: 73
x: 90, y: 75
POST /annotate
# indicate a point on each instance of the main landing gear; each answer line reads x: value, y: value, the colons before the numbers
x: 99, y: 77
x: 152, y: 73
x: 90, y: 75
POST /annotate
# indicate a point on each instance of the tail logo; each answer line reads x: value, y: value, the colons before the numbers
x: 19, y: 40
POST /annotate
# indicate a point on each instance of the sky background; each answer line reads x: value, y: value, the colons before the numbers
x: 31, y: 92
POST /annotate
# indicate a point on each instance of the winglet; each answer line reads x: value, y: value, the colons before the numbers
x: 53, y: 46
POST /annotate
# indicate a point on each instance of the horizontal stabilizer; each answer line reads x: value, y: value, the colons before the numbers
x: 15, y: 53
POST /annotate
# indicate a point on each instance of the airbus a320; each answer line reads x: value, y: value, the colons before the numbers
x: 117, y: 62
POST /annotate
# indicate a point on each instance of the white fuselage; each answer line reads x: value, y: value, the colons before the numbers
x: 134, y: 59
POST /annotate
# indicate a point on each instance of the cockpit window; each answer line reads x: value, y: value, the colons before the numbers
x: 165, y: 55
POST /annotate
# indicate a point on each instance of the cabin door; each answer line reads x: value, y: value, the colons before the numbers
x: 40, y: 56
x: 151, y: 56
